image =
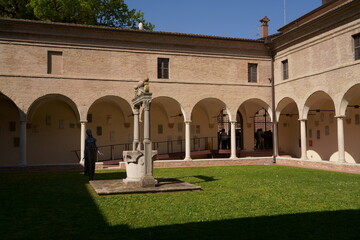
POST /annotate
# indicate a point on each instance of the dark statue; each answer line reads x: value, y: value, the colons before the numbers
x: 90, y: 155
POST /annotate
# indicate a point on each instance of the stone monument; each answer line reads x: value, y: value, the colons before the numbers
x: 139, y: 163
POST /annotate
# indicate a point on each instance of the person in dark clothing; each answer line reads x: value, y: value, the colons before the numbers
x: 90, y: 155
x: 224, y: 139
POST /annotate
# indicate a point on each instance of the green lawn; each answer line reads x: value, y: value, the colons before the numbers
x: 237, y: 202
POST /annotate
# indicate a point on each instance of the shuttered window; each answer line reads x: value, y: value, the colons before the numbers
x: 163, y: 68
x: 252, y: 72
x: 357, y: 47
x: 285, y: 69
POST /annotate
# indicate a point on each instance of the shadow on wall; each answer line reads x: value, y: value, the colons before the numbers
x: 63, y: 208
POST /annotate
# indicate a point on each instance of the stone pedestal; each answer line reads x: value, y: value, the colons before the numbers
x: 136, y: 169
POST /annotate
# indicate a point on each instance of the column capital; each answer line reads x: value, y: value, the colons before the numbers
x: 83, y: 121
x: 187, y: 121
x: 302, y: 119
x: 340, y: 116
x: 23, y: 117
x: 146, y: 104
x: 136, y: 110
x: 233, y: 121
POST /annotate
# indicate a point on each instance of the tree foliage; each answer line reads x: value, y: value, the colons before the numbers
x: 113, y: 13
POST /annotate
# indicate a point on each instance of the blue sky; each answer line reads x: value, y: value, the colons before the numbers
x: 227, y: 18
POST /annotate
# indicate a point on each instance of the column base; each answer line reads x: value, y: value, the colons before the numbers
x: 233, y: 157
x: 145, y: 181
x: 188, y: 159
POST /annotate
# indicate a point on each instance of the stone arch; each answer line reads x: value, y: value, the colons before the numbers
x: 249, y: 109
x: 170, y: 106
x: 121, y: 104
x: 53, y: 130
x: 287, y: 114
x: 52, y: 97
x: 258, y: 102
x: 167, y: 127
x: 315, y: 97
x: 110, y: 118
x: 283, y: 103
x: 349, y: 95
x: 350, y: 109
x: 319, y: 111
x: 215, y: 106
x: 204, y: 124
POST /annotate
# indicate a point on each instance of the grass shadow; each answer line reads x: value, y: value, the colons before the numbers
x: 63, y: 206
x: 317, y: 225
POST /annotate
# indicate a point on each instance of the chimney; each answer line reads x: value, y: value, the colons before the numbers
x: 264, y: 26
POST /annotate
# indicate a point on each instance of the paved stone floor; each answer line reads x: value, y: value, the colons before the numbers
x: 109, y: 187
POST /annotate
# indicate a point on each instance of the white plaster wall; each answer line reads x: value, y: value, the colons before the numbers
x: 52, y: 142
x: 352, y: 132
x: 289, y: 135
x: 326, y: 145
x: 171, y: 130
x: 208, y: 127
x: 111, y: 119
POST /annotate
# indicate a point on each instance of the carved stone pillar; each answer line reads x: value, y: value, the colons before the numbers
x: 139, y: 164
x: 147, y: 142
x: 136, y: 140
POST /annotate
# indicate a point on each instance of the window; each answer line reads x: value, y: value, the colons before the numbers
x: 285, y: 69
x: 357, y: 47
x: 252, y: 72
x: 55, y: 62
x: 163, y: 68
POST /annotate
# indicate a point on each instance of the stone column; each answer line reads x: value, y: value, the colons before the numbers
x: 303, y: 139
x: 275, y: 140
x: 187, y: 140
x: 82, y: 141
x: 233, y: 140
x: 147, y: 141
x: 136, y: 130
x: 340, y: 133
x: 22, y: 138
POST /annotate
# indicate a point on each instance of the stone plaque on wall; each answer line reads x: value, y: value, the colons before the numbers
x: 327, y: 131
x: 180, y: 127
x: 99, y: 131
x: 357, y: 119
x: 160, y: 129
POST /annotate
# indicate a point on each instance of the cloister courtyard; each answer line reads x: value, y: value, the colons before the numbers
x: 237, y: 202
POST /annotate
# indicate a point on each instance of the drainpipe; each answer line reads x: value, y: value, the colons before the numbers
x: 272, y: 80
x: 275, y: 125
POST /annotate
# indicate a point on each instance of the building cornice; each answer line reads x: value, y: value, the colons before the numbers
x: 73, y: 34
x: 339, y: 16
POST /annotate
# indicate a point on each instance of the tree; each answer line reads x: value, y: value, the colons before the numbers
x: 113, y: 13
x: 16, y: 9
